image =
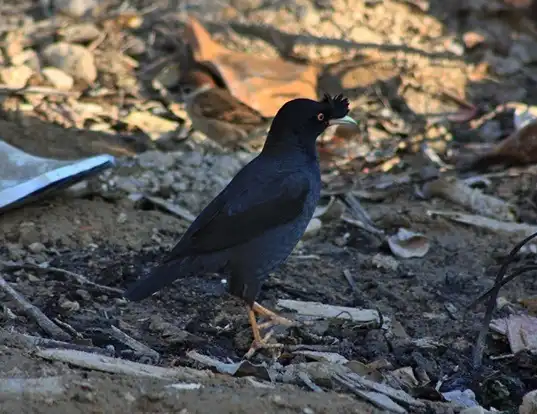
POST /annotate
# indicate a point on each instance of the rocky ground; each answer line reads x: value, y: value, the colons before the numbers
x: 417, y: 72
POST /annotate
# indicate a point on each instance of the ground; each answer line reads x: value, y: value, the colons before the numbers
x: 114, y: 241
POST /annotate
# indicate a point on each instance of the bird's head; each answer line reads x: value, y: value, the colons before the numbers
x: 301, y: 121
x: 193, y: 82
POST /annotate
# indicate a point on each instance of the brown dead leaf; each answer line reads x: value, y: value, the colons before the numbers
x: 263, y: 84
x: 519, y: 148
x: 407, y: 244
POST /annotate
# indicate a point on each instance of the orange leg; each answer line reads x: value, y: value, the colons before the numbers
x: 275, y: 319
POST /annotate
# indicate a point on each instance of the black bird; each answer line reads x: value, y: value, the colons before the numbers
x: 252, y: 226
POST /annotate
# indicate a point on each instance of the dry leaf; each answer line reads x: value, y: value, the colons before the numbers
x: 519, y: 148
x: 152, y: 125
x: 263, y: 84
x: 521, y: 331
x: 407, y: 244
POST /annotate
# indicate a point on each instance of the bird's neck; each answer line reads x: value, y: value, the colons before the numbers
x: 291, y: 143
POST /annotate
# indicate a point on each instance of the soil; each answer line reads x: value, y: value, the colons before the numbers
x: 114, y: 242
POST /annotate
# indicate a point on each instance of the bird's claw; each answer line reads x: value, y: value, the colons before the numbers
x: 262, y: 344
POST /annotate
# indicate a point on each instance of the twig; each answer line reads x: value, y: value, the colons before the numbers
x: 305, y: 378
x: 31, y: 311
x: 41, y: 90
x: 72, y: 331
x: 132, y: 343
x: 477, y: 357
x: 504, y: 281
x: 316, y: 348
x: 79, y: 278
x: 37, y: 342
x: 350, y: 279
x: 119, y: 366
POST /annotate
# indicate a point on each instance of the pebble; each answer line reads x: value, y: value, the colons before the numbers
x: 58, y: 78
x: 529, y: 403
x: 16, y: 252
x: 121, y: 218
x: 16, y: 76
x: 69, y: 305
x: 75, y: 8
x: 36, y: 247
x: 74, y: 60
x: 80, y: 33
x: 83, y: 294
x: 33, y: 278
x: 28, y: 233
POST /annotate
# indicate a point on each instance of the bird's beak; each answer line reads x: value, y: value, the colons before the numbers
x: 346, y: 120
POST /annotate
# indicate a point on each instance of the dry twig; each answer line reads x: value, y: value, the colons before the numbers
x: 37, y: 342
x: 79, y: 278
x: 477, y: 357
x: 132, y: 343
x: 33, y: 312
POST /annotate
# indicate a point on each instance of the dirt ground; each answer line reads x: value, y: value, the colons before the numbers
x: 113, y: 241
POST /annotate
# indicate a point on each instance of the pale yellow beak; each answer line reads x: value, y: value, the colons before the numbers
x: 346, y: 120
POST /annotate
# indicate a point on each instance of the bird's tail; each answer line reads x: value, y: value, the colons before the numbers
x: 161, y: 276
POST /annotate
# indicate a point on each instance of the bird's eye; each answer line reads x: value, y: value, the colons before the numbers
x: 320, y: 117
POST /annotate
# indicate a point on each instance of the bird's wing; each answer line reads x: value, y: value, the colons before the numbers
x: 219, y: 104
x: 235, y: 217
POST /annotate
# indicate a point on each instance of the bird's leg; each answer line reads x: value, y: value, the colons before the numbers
x: 258, y: 341
x: 275, y: 319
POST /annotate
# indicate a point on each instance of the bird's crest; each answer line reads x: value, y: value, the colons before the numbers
x: 339, y: 105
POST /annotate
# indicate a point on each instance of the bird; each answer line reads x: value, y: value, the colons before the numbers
x: 217, y: 113
x: 250, y: 228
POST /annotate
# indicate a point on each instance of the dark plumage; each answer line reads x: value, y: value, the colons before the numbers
x: 252, y: 226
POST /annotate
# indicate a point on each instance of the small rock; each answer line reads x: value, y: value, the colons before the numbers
x: 74, y: 8
x: 33, y: 278
x: 473, y: 39
x: 129, y: 397
x: 85, y: 396
x: 384, y: 262
x: 529, y: 403
x: 28, y: 233
x: 58, y: 78
x: 150, y: 159
x: 74, y: 60
x: 29, y: 58
x: 71, y: 306
x: 16, y: 76
x: 80, y: 33
x: 37, y: 247
x: 278, y: 400
x: 83, y: 294
x: 307, y: 410
x: 121, y: 218
x: 16, y: 252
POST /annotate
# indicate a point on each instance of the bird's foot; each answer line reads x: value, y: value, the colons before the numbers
x: 258, y: 344
x: 274, y: 319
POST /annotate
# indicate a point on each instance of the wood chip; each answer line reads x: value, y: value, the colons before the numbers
x: 119, y: 366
